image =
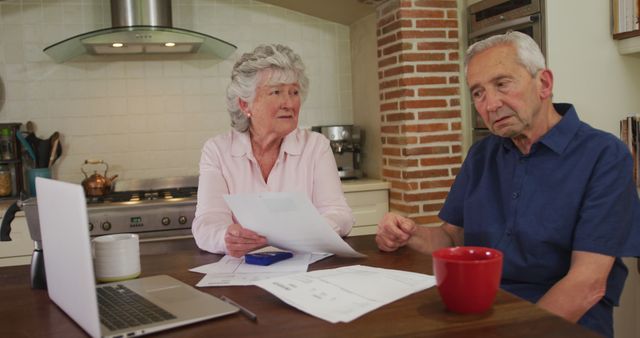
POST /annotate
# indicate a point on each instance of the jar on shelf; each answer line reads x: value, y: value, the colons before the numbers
x: 5, y: 181
x: 6, y: 144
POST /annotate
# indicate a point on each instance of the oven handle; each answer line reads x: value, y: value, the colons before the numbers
x: 503, y: 25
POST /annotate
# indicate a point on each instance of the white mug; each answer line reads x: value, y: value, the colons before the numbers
x: 116, y: 257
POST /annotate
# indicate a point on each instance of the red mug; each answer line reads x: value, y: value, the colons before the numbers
x: 467, y: 277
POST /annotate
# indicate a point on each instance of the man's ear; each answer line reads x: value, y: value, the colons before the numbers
x: 244, y: 106
x: 546, y: 84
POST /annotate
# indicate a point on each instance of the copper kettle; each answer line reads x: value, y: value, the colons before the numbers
x: 97, y: 185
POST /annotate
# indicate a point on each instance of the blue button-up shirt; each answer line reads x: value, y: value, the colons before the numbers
x: 573, y: 191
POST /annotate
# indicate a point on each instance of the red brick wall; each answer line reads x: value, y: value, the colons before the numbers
x: 418, y: 71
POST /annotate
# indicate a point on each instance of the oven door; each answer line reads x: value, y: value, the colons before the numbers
x: 530, y: 24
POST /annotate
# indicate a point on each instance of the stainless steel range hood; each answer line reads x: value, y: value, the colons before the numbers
x: 139, y: 27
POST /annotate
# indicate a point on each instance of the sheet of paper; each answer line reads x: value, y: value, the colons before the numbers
x: 298, y: 263
x: 237, y: 279
x: 289, y: 221
x: 344, y: 294
x: 230, y: 271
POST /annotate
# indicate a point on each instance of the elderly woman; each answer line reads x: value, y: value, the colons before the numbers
x: 265, y: 151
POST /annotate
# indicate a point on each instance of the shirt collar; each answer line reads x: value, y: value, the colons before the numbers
x: 241, y: 143
x: 559, y: 136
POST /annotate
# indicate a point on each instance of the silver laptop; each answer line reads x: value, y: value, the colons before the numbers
x: 71, y: 281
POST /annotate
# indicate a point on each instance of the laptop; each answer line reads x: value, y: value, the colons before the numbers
x: 71, y: 282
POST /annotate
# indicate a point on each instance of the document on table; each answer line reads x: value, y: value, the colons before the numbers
x: 344, y: 294
x: 230, y: 271
x: 288, y: 221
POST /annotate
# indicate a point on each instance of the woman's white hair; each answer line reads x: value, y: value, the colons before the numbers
x: 286, y: 67
x: 528, y: 52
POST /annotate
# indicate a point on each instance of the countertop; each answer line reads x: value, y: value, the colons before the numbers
x: 364, y: 184
x: 352, y: 185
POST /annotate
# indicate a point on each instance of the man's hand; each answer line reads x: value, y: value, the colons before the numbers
x: 240, y: 241
x: 394, y: 231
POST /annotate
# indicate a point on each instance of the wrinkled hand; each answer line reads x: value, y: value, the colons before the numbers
x: 394, y: 231
x: 240, y: 241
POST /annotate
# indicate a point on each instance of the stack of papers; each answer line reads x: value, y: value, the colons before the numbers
x: 288, y: 221
x: 344, y: 294
x: 230, y: 271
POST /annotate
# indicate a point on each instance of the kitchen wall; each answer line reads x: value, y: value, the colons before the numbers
x: 148, y: 117
x: 603, y: 85
x: 366, y: 105
x: 588, y: 70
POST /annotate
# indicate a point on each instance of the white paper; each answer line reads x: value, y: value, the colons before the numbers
x: 230, y: 271
x: 344, y: 294
x: 288, y: 221
x: 227, y: 264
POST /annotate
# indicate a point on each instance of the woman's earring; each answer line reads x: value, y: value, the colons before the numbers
x: 248, y: 115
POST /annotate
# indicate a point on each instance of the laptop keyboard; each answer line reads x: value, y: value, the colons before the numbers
x: 121, y: 308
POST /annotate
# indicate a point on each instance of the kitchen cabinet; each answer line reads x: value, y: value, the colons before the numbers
x: 10, y: 162
x: 18, y: 251
x: 369, y: 201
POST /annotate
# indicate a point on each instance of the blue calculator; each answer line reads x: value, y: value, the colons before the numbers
x: 267, y: 257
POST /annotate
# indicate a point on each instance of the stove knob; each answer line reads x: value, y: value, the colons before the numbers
x: 182, y: 219
x: 106, y: 226
x: 166, y: 221
x: 90, y: 226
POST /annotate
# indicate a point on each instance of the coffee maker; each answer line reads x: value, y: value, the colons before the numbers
x: 38, y: 279
x: 346, y: 144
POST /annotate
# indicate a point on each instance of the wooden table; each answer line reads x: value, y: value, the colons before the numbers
x: 29, y: 313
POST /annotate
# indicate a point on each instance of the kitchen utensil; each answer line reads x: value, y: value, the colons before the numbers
x: 26, y: 145
x: 43, y: 153
x: 467, y: 277
x: 55, y: 141
x: 97, y: 185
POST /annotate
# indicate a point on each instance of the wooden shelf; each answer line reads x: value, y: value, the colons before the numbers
x: 626, y: 35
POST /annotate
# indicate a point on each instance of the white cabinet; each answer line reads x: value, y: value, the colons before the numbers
x: 18, y: 251
x: 369, y: 201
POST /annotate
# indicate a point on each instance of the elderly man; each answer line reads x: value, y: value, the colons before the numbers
x: 551, y: 192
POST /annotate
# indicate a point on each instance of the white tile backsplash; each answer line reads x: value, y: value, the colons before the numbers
x: 149, y: 116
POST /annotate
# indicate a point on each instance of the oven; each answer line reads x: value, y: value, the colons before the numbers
x: 491, y: 17
x: 159, y: 208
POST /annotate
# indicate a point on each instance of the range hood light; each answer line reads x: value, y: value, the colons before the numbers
x: 140, y: 27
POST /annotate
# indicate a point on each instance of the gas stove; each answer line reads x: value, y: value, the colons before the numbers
x: 152, y: 208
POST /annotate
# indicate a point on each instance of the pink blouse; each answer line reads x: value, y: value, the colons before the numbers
x: 227, y: 166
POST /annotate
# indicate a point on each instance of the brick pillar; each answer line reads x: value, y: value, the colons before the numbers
x: 418, y: 71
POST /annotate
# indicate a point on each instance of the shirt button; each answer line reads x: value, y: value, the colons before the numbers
x: 515, y: 195
x: 522, y: 160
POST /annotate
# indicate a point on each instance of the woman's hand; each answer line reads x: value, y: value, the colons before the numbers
x: 240, y: 241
